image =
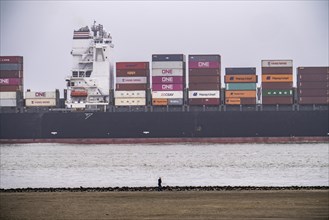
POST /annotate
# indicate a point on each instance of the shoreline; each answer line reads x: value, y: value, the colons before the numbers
x: 219, y: 140
x: 164, y: 189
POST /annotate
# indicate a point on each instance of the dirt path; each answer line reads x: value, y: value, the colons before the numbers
x: 301, y: 204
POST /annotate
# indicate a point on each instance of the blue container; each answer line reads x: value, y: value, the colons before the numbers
x: 240, y: 86
x: 11, y: 66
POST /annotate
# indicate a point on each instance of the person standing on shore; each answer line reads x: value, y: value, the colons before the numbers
x: 159, y: 184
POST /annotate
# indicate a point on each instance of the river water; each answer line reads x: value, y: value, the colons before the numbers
x: 73, y: 165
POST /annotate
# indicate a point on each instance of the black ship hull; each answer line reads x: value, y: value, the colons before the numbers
x: 164, y: 125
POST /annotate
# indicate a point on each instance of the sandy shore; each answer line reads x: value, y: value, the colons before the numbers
x: 301, y: 204
x: 219, y: 140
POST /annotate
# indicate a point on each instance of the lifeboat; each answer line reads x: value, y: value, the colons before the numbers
x: 79, y: 93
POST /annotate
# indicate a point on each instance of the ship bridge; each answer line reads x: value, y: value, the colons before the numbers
x: 89, y: 81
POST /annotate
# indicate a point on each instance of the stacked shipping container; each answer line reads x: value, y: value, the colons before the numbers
x: 168, y: 79
x: 313, y: 85
x: 240, y: 85
x: 277, y: 82
x: 204, y: 79
x: 132, y: 80
x: 11, y: 80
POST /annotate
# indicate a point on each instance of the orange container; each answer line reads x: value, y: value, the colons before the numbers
x: 240, y: 101
x: 233, y: 101
x: 240, y: 78
x: 240, y: 94
x: 159, y: 101
x: 277, y: 78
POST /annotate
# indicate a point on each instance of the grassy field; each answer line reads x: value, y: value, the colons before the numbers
x: 301, y: 204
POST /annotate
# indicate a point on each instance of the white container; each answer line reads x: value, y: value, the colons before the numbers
x: 167, y: 65
x: 8, y: 103
x: 167, y: 94
x: 40, y: 102
x: 204, y: 94
x: 276, y: 63
x: 7, y: 95
x: 130, y: 102
x: 131, y: 80
x: 40, y: 95
x: 167, y: 72
x: 130, y: 94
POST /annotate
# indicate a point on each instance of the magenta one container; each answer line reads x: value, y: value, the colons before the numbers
x: 10, y: 81
x: 203, y: 64
x: 167, y: 87
x: 167, y: 79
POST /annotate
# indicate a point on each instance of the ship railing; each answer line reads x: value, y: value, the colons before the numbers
x: 82, y: 69
x: 219, y: 108
x: 185, y: 108
x: 61, y: 110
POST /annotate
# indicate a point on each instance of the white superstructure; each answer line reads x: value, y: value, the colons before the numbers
x: 91, y: 79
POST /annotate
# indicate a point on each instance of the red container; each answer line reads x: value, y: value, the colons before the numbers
x: 11, y: 74
x: 313, y: 100
x: 11, y: 59
x: 141, y: 72
x: 204, y: 79
x: 122, y: 87
x: 204, y: 72
x: 313, y: 85
x: 204, y: 101
x: 277, y: 70
x: 305, y: 77
x: 323, y: 70
x: 168, y: 79
x: 10, y: 88
x: 313, y: 92
x: 10, y: 81
x: 167, y: 87
x: 204, y: 64
x: 271, y: 85
x: 277, y: 100
x: 204, y: 86
x: 132, y: 65
x: 248, y: 101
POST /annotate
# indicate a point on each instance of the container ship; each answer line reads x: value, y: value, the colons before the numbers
x: 174, y: 98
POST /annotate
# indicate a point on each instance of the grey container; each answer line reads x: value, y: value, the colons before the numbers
x: 175, y: 101
x: 205, y: 57
x: 168, y: 57
x: 313, y: 70
x: 11, y: 66
x: 240, y: 71
x: 8, y: 102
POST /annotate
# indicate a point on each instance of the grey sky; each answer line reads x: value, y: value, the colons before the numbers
x: 242, y: 32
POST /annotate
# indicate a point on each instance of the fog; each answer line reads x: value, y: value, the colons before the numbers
x: 242, y: 32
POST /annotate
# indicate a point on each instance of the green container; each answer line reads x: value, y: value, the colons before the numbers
x: 240, y: 86
x: 277, y: 92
